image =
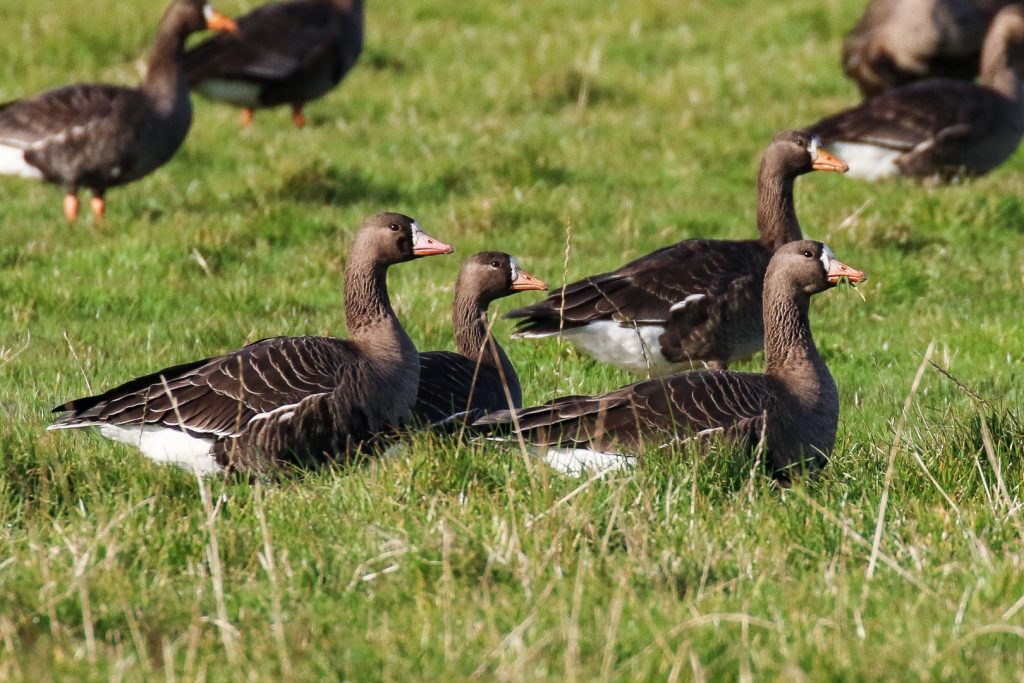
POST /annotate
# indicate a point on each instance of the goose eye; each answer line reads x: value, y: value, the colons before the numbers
x: 808, y: 254
x: 495, y: 264
x: 800, y: 143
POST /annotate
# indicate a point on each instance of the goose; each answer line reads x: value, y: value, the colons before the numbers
x: 100, y: 136
x: 794, y: 404
x: 282, y: 401
x: 692, y: 302
x: 901, y: 41
x: 940, y: 129
x: 284, y: 53
x: 479, y: 378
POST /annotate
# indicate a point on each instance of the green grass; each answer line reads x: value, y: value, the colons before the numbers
x: 498, y: 124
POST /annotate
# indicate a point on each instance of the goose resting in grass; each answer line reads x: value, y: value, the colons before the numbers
x: 479, y: 378
x: 698, y: 301
x: 794, y: 404
x: 940, y: 129
x: 97, y: 136
x: 284, y: 53
x: 897, y: 42
x: 283, y: 401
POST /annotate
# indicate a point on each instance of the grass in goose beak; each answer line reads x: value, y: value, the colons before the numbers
x: 844, y: 283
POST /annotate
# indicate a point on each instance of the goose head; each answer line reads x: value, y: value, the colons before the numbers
x: 810, y: 267
x: 800, y: 152
x: 191, y: 16
x: 492, y: 275
x: 391, y: 238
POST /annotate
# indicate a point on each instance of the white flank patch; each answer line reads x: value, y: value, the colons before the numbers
x: 682, y: 304
x: 867, y: 162
x: 630, y: 348
x: 166, y: 446
x: 12, y: 162
x: 575, y: 462
x: 238, y: 93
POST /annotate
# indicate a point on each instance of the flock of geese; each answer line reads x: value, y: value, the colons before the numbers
x: 680, y: 315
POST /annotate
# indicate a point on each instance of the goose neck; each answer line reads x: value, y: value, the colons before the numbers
x: 367, y: 304
x: 776, y: 210
x: 788, y: 344
x: 165, y: 83
x: 475, y: 341
x: 1000, y: 60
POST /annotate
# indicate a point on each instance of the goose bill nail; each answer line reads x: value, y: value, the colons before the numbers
x: 215, y: 21
x: 524, y: 282
x: 839, y: 270
x: 826, y: 161
x: 425, y: 245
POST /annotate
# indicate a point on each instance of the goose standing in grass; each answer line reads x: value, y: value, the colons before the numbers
x: 99, y: 136
x: 283, y: 401
x: 698, y: 301
x: 897, y: 42
x: 284, y: 53
x: 479, y: 378
x: 794, y: 404
x: 940, y: 129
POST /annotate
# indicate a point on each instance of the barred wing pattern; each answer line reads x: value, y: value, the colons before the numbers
x: 268, y: 400
x: 940, y: 124
x: 445, y: 390
x: 652, y: 412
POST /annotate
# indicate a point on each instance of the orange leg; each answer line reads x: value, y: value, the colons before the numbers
x: 71, y: 207
x: 248, y: 114
x: 298, y: 117
x: 99, y: 208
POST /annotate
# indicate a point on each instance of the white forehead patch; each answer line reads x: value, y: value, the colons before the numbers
x: 416, y: 232
x: 827, y: 257
x: 514, y: 265
x: 813, y: 145
x: 208, y: 11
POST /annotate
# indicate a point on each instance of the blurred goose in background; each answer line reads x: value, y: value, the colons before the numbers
x: 901, y: 41
x: 100, y: 136
x: 794, y: 405
x: 698, y: 301
x: 284, y: 53
x: 479, y: 378
x: 283, y: 401
x: 940, y: 129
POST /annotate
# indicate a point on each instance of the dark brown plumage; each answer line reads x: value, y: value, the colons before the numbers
x: 940, y: 129
x: 897, y: 42
x: 283, y: 401
x: 479, y: 378
x: 284, y: 53
x: 795, y: 404
x: 695, y: 301
x: 100, y: 136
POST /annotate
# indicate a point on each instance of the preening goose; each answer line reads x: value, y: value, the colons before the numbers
x: 901, y: 41
x: 283, y: 401
x: 284, y: 53
x: 940, y: 129
x: 100, y: 136
x: 794, y: 404
x: 695, y: 301
x: 479, y: 378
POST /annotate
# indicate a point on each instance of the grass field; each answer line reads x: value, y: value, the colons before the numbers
x: 507, y: 126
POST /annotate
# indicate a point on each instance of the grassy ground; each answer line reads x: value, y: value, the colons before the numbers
x: 498, y: 125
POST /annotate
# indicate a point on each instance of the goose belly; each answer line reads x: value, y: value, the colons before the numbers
x: 576, y: 462
x: 867, y: 162
x: 166, y: 446
x: 12, y: 162
x: 631, y: 348
x: 238, y: 93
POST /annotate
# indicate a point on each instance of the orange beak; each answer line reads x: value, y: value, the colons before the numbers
x: 826, y: 161
x: 425, y: 245
x: 838, y: 270
x: 215, y: 21
x: 525, y: 282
